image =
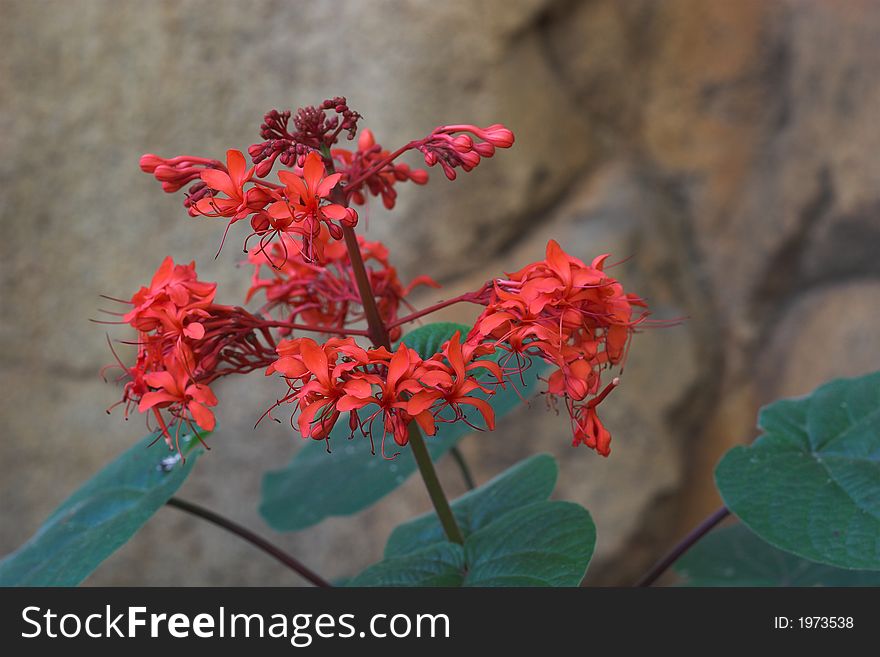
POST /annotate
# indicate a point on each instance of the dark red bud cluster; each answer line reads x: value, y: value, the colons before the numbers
x: 313, y: 129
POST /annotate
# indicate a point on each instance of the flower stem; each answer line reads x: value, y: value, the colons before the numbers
x: 683, y: 546
x: 463, y: 466
x: 252, y: 538
x: 469, y: 297
x: 379, y: 336
x: 432, y: 483
x: 376, y: 327
x: 353, y: 184
x: 337, y: 330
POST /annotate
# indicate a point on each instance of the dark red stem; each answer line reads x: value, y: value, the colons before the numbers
x: 352, y: 185
x: 379, y: 336
x: 378, y: 332
x: 339, y: 330
x: 683, y: 546
x: 469, y: 297
x: 252, y: 538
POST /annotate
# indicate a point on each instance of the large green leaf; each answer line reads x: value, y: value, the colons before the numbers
x: 529, y: 481
x: 440, y: 564
x: 542, y: 544
x: 735, y: 556
x: 101, y: 516
x: 316, y: 484
x: 811, y: 484
x: 513, y: 537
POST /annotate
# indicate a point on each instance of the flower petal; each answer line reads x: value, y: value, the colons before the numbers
x: 202, y: 415
x: 328, y: 184
x: 216, y: 179
x: 237, y: 166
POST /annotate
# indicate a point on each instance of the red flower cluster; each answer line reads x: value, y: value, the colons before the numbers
x: 317, y: 275
x: 378, y: 180
x: 452, y: 146
x: 307, y: 199
x: 574, y: 317
x: 185, y: 342
x: 326, y: 295
x: 340, y: 376
x: 312, y: 130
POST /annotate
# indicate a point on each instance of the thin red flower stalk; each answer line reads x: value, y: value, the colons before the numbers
x: 467, y: 297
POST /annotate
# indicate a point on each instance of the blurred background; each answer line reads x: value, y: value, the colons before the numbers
x: 730, y: 150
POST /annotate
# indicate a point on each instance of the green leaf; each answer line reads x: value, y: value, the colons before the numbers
x: 529, y: 481
x: 542, y: 544
x: 316, y: 485
x: 101, y: 516
x: 441, y: 564
x: 735, y: 556
x: 428, y: 339
x: 513, y: 537
x: 811, y: 484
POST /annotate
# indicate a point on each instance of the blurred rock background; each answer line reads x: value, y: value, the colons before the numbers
x: 729, y: 149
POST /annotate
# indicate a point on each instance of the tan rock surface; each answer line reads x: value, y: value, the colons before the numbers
x: 729, y: 149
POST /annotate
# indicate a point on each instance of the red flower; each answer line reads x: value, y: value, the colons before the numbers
x: 175, y: 172
x: 326, y: 294
x: 453, y: 385
x: 573, y: 316
x: 301, y: 207
x: 230, y: 182
x: 590, y: 431
x: 185, y: 341
x: 174, y: 390
x: 570, y: 314
x: 395, y: 389
x: 173, y: 287
x: 452, y: 146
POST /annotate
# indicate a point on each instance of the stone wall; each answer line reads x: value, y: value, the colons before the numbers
x: 729, y: 149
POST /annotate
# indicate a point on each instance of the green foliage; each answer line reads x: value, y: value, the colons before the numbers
x: 428, y: 339
x: 528, y: 481
x: 101, y: 516
x: 513, y: 537
x: 811, y: 483
x: 735, y: 556
x: 439, y: 564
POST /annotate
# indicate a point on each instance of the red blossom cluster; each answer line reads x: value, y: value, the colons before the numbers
x: 363, y: 164
x: 452, y: 146
x: 185, y: 342
x: 318, y: 276
x: 306, y: 199
x: 326, y: 295
x: 340, y: 376
x: 312, y: 130
x: 573, y: 316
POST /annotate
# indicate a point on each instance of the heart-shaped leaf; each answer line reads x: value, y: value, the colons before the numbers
x: 811, y: 484
x: 542, y: 544
x: 513, y: 537
x: 101, y: 516
x: 528, y: 481
x: 735, y: 556
x: 440, y: 564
